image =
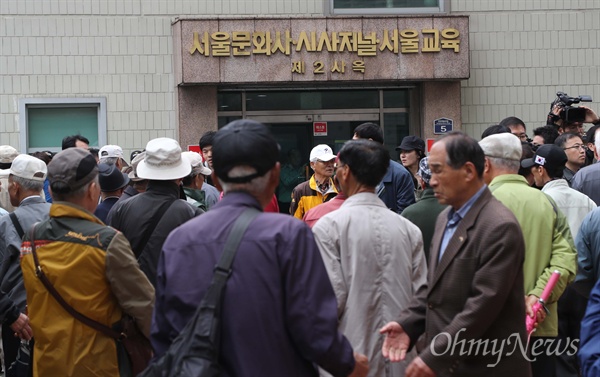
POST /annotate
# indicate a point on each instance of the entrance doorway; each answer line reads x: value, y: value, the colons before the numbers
x: 302, y: 119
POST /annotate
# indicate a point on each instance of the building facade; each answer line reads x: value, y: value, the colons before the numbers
x: 128, y: 71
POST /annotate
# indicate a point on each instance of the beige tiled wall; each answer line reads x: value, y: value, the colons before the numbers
x: 521, y: 53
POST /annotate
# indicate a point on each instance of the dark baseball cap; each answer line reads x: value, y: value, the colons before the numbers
x: 71, y: 169
x: 111, y: 178
x: 548, y: 156
x: 244, y: 142
x: 411, y: 143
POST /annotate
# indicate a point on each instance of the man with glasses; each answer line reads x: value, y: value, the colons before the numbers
x: 575, y: 150
x: 319, y: 188
x: 587, y: 180
x: 516, y: 126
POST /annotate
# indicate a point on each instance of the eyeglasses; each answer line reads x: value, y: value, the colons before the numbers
x: 577, y: 146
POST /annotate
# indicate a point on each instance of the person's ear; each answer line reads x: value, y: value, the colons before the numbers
x: 470, y: 171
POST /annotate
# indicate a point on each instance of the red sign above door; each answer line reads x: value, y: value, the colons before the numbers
x: 320, y: 128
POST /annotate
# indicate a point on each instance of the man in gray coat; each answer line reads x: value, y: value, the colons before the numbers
x: 25, y: 181
x: 374, y: 257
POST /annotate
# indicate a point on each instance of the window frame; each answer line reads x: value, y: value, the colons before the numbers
x: 28, y: 103
x: 443, y: 8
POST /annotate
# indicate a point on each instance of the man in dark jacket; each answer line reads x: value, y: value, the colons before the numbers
x: 148, y: 218
x: 396, y: 189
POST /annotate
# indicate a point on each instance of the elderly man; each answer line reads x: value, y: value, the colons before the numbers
x: 396, y: 189
x: 475, y: 292
x: 147, y: 218
x: 112, y: 155
x: 192, y: 184
x: 279, y: 310
x: 373, y: 256
x: 587, y: 180
x: 26, y: 179
x: 7, y: 155
x: 320, y: 187
x: 112, y: 186
x: 548, y: 239
x: 91, y: 266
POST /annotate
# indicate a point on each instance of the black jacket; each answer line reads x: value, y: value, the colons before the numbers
x: 134, y: 217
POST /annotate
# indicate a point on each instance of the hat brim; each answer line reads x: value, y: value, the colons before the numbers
x: 528, y: 163
x: 202, y: 170
x: 164, y: 173
x: 325, y: 157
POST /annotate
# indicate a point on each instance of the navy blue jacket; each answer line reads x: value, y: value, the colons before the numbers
x: 398, y: 188
x: 589, y: 348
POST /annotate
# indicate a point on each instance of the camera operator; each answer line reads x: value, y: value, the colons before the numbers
x: 567, y: 118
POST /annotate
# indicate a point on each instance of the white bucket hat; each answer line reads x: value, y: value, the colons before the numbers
x: 163, y: 161
x: 196, y: 161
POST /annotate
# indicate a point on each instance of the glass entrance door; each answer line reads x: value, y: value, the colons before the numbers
x: 298, y: 134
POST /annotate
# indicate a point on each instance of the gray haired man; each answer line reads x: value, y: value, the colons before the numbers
x: 25, y: 181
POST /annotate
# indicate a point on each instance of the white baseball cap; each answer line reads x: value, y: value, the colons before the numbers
x: 29, y: 167
x: 197, y: 162
x: 110, y: 151
x: 163, y: 161
x: 321, y: 152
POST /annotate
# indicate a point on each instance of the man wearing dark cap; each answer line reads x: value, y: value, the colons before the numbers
x: 90, y: 265
x: 149, y: 217
x: 547, y: 166
x: 112, y: 185
x: 279, y: 311
x: 396, y: 189
x: 412, y: 150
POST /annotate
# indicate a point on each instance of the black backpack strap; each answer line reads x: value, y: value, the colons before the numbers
x: 17, y: 224
x: 154, y: 222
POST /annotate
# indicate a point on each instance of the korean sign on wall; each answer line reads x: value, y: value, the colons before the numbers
x: 297, y: 49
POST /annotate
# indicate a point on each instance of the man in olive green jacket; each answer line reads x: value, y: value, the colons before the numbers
x: 549, y: 245
x: 424, y: 213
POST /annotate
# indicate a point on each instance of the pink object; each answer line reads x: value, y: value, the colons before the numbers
x: 531, y: 321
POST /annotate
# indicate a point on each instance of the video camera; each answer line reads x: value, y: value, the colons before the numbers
x: 568, y: 113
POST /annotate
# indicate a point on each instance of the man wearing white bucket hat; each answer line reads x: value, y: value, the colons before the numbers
x: 146, y: 219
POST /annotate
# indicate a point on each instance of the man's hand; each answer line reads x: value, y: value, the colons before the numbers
x: 529, y: 302
x: 590, y: 115
x: 396, y: 342
x: 361, y: 366
x: 21, y: 327
x: 418, y: 368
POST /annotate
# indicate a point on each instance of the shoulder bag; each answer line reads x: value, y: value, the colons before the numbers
x: 195, y: 351
x: 137, y: 346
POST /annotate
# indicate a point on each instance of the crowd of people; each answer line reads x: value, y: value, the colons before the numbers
x: 424, y: 267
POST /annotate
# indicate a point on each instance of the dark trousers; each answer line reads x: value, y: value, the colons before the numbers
x: 10, y: 345
x: 571, y: 309
x: 544, y: 364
